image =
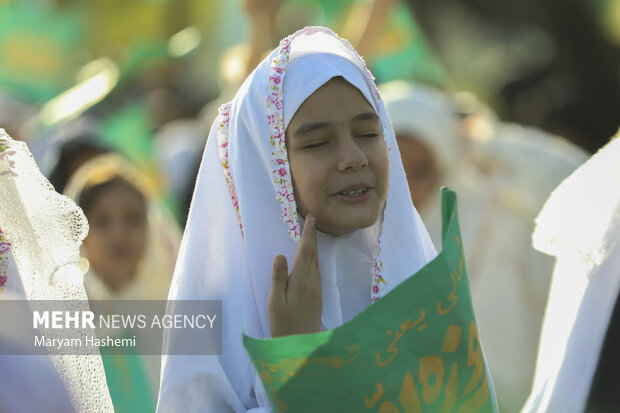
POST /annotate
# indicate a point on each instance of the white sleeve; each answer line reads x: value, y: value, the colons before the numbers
x: 212, y: 265
x: 188, y: 385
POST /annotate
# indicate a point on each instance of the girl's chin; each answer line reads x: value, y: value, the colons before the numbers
x: 343, y: 229
x: 118, y: 277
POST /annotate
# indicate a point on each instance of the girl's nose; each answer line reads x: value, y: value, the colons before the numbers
x: 351, y: 157
x: 119, y: 230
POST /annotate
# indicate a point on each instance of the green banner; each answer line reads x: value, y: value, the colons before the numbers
x: 415, y: 350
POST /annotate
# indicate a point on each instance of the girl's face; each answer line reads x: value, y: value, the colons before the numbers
x: 117, y: 238
x: 422, y: 172
x: 338, y: 160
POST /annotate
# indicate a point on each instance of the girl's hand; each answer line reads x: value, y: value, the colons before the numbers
x: 295, y: 302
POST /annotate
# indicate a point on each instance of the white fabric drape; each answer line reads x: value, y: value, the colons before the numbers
x: 240, y: 219
x: 580, y: 226
x: 45, y: 230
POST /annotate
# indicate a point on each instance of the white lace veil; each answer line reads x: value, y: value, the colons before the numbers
x: 243, y: 214
x: 45, y: 230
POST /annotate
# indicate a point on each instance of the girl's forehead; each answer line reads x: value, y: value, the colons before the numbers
x: 108, y: 191
x: 336, y: 100
x: 306, y: 74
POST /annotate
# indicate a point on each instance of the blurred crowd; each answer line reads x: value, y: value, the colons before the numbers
x: 115, y: 100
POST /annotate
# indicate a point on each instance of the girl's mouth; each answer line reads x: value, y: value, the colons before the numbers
x: 355, y: 195
x: 121, y: 252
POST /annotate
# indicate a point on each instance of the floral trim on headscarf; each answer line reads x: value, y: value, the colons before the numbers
x: 378, y: 282
x: 5, y: 249
x: 280, y: 172
x: 222, y: 148
x: 5, y: 245
x: 5, y: 153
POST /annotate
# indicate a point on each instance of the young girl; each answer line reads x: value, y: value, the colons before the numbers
x: 130, y: 247
x: 132, y: 242
x: 301, y: 216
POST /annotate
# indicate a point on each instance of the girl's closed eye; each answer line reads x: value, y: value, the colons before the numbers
x: 367, y: 135
x: 315, y: 145
x: 100, y: 221
x: 366, y: 129
x: 135, y: 219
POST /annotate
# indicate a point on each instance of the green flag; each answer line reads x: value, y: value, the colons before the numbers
x: 414, y: 350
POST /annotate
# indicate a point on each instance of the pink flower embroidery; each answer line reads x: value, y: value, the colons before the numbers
x: 222, y: 137
x: 4, y: 247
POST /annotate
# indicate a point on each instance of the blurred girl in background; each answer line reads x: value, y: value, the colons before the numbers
x: 131, y: 249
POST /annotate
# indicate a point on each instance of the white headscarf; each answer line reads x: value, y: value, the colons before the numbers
x: 429, y: 115
x: 243, y: 214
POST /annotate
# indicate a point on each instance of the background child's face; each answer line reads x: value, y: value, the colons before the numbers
x: 339, y: 162
x: 421, y: 169
x: 117, y: 237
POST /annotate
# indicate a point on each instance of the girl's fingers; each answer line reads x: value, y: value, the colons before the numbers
x: 295, y: 302
x: 279, y: 276
x: 307, y: 254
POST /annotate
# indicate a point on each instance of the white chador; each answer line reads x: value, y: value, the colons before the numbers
x: 243, y: 214
x: 580, y: 226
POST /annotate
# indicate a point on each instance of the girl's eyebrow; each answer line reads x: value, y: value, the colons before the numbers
x: 309, y: 127
x: 365, y: 116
